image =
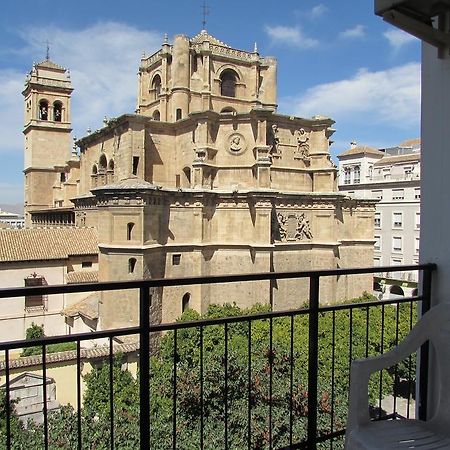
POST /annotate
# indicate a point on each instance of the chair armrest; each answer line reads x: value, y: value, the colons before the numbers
x: 362, y: 369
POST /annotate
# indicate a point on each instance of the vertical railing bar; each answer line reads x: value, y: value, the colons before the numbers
x: 174, y: 399
x: 249, y: 382
x: 367, y: 330
x: 397, y: 319
x: 44, y: 394
x: 201, y: 391
x: 8, y: 402
x: 271, y: 357
x: 381, y: 352
x: 144, y: 368
x: 313, y: 336
x: 226, y: 386
x: 291, y: 385
x: 424, y: 349
x: 111, y: 392
x: 409, y: 362
x: 333, y: 355
x: 79, y: 429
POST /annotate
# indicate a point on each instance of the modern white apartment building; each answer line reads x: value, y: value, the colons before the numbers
x: 391, y: 175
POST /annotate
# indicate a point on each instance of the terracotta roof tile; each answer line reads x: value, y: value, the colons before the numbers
x: 363, y: 150
x: 46, y: 243
x: 87, y: 307
x: 398, y: 159
x: 82, y: 276
x: 410, y: 142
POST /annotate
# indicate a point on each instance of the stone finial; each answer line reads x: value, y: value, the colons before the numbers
x: 353, y: 144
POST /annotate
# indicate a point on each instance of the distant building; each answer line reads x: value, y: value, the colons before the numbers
x: 391, y: 176
x: 37, y: 257
x: 11, y: 220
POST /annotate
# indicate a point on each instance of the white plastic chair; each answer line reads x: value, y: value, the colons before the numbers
x: 362, y: 433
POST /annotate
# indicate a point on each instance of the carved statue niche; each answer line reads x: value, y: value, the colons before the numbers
x: 291, y: 227
x: 273, y: 140
x: 302, y: 138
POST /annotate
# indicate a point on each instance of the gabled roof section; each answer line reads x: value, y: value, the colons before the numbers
x: 132, y: 182
x: 43, y: 244
x: 205, y: 36
x: 410, y: 142
x: 48, y: 64
x: 87, y: 307
x: 82, y: 276
x: 397, y: 159
x: 362, y: 150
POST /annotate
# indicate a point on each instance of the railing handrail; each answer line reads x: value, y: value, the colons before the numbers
x: 211, y: 279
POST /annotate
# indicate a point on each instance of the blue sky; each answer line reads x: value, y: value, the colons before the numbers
x: 335, y: 58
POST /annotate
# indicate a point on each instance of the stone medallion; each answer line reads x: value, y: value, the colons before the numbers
x: 236, y: 144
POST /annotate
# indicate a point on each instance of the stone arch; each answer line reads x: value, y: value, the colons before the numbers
x: 185, y: 301
x: 156, y: 85
x: 57, y: 111
x: 156, y: 115
x: 102, y: 163
x: 111, y: 165
x: 132, y: 265
x: 228, y: 110
x: 130, y: 226
x: 397, y: 290
x: 43, y: 109
x: 228, y: 81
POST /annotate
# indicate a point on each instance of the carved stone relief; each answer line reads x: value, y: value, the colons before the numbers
x: 236, y: 144
x: 291, y: 227
x: 273, y: 140
x: 302, y: 141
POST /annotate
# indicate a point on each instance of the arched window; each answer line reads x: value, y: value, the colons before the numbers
x: 94, y: 169
x: 111, y: 165
x: 187, y: 175
x: 43, y: 110
x: 131, y: 265
x: 102, y: 162
x: 228, y: 83
x: 130, y: 227
x: 156, y: 115
x: 397, y: 290
x: 156, y: 85
x: 179, y: 114
x: 185, y: 302
x: 57, y: 111
x: 228, y: 110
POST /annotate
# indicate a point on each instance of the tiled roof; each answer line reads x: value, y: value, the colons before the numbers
x: 46, y: 243
x: 410, y: 142
x: 128, y: 183
x: 82, y: 276
x: 362, y: 150
x: 87, y: 307
x: 398, y: 159
x: 71, y: 355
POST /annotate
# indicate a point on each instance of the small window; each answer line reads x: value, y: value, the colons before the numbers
x: 377, y: 245
x: 102, y: 163
x: 228, y: 83
x: 131, y: 265
x: 177, y: 180
x: 130, y: 227
x: 33, y: 302
x: 417, y: 193
x: 57, y: 111
x: 417, y: 221
x: 86, y: 264
x: 417, y: 246
x: 377, y: 220
x: 356, y: 175
x: 43, y: 110
x: 378, y: 194
x: 179, y: 114
x: 156, y: 86
x: 397, y: 244
x: 398, y: 194
x: 397, y: 220
x: 185, y: 302
x: 176, y: 259
x: 135, y: 164
x: 347, y: 175
x: 111, y: 165
x: 62, y: 177
x: 156, y: 115
x: 94, y: 169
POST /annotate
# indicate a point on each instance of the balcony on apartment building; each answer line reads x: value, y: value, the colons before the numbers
x: 259, y: 379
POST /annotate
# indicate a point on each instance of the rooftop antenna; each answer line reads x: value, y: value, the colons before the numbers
x: 205, y: 8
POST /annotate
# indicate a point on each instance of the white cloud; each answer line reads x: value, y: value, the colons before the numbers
x: 398, y: 38
x: 356, y: 32
x: 385, y: 97
x: 291, y: 36
x: 318, y: 11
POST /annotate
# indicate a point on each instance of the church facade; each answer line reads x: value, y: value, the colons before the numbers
x: 205, y: 178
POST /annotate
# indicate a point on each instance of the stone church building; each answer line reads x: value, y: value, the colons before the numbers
x: 204, y: 178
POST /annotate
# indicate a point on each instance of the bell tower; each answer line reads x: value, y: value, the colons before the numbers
x: 47, y: 131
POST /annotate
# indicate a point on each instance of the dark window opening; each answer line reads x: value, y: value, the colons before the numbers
x: 397, y: 290
x: 135, y: 164
x: 43, y: 110
x: 156, y: 85
x: 131, y: 265
x: 156, y: 115
x: 86, y: 264
x: 185, y: 302
x: 177, y: 180
x: 228, y: 83
x: 62, y: 177
x: 57, y: 111
x: 102, y: 163
x: 187, y: 174
x: 94, y: 170
x: 34, y: 301
x: 176, y: 259
x: 179, y: 114
x: 130, y: 227
x: 111, y: 165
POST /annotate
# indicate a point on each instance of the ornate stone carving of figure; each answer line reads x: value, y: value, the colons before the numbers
x: 237, y: 143
x: 274, y: 139
x: 302, y: 138
x: 293, y: 227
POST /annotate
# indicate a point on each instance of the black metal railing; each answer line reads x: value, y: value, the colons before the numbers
x: 300, y: 410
